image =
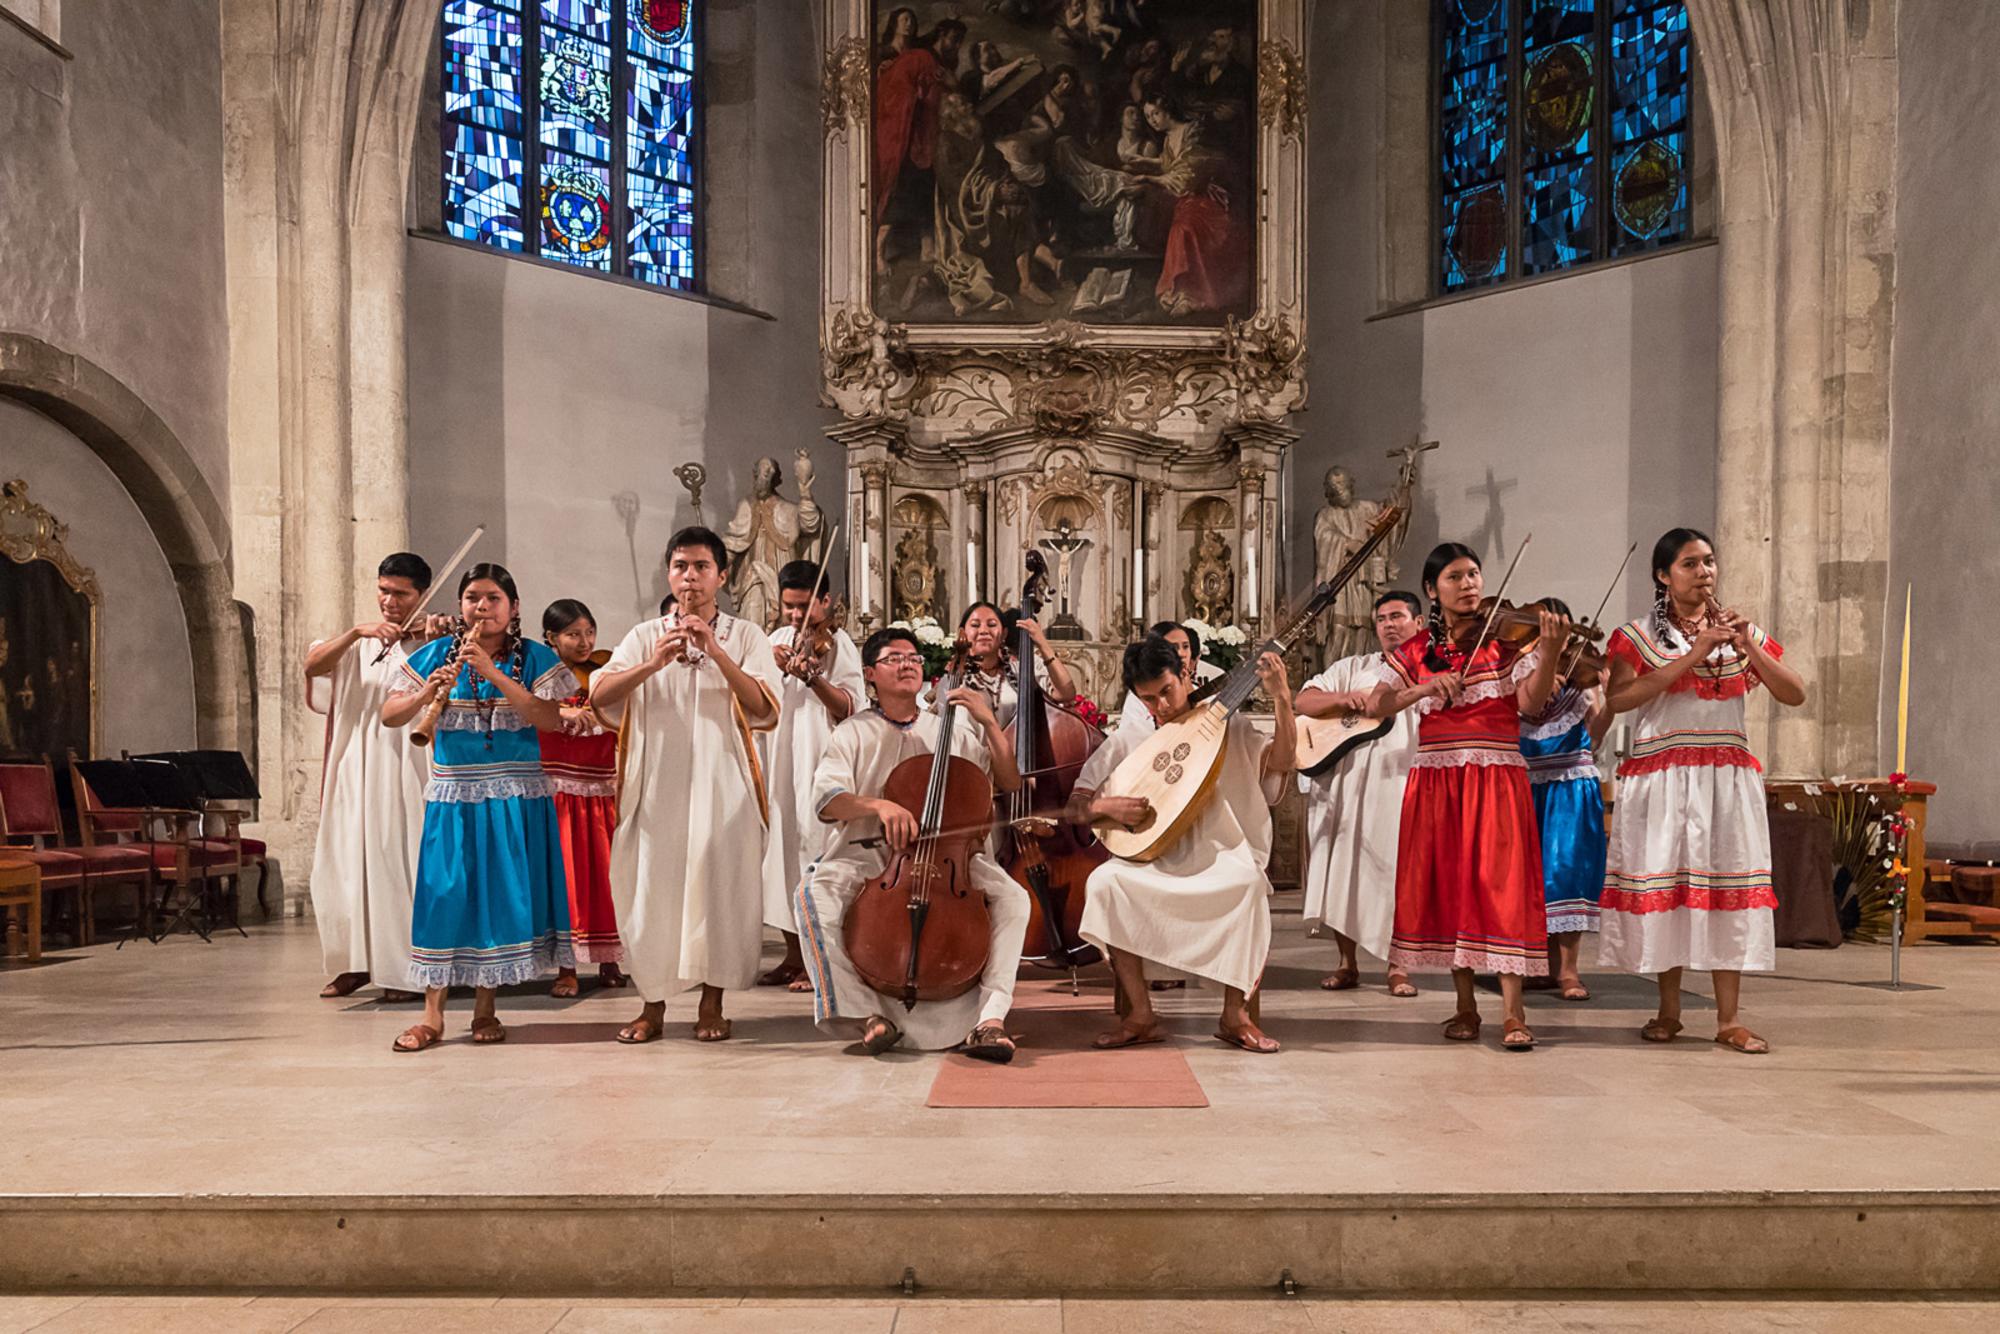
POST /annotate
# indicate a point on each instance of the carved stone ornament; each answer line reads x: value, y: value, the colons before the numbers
x: 843, y: 88
x: 1267, y: 356
x: 1281, y: 89
x: 867, y: 357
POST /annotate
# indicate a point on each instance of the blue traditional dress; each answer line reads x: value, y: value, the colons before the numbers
x: 1569, y: 809
x: 492, y: 898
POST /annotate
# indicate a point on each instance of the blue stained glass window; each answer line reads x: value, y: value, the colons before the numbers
x: 572, y: 131
x: 576, y: 95
x: 1561, y: 219
x: 592, y: 18
x: 1562, y: 133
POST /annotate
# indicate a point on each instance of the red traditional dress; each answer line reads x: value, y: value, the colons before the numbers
x: 1687, y: 882
x: 1469, y: 861
x: 582, y: 764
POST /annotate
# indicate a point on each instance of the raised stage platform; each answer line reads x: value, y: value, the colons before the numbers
x: 192, y: 1116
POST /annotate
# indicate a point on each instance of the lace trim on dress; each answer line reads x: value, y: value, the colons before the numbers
x: 1474, y: 694
x: 1459, y: 759
x: 443, y: 789
x: 465, y: 716
x: 583, y: 787
x: 446, y: 968
x: 1570, y: 707
x: 1573, y: 770
x: 1479, y: 961
x: 1690, y: 757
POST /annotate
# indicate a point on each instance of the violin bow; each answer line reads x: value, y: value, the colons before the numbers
x: 1498, y: 598
x: 437, y: 582
x: 819, y: 581
x: 1577, y: 652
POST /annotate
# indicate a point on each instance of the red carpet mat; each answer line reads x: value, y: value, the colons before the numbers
x: 1057, y: 1067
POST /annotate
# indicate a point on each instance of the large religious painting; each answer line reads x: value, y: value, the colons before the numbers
x: 1041, y: 160
x: 48, y: 635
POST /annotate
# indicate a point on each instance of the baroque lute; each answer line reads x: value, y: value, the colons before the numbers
x: 1175, y: 768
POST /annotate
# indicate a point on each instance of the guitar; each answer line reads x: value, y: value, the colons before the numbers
x: 1325, y: 742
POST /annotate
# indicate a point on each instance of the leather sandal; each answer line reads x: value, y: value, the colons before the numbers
x: 878, y: 1035
x: 989, y: 1042
x: 425, y: 1035
x: 1341, y: 979
x: 642, y: 1029
x: 1462, y: 1027
x: 1515, y: 1035
x: 1123, y: 1036
x: 1738, y: 1038
x: 487, y: 1029
x: 1661, y: 1030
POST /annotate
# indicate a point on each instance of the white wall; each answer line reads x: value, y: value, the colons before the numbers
x: 1582, y: 409
x: 1945, y: 411
x: 146, y: 675
x: 537, y: 394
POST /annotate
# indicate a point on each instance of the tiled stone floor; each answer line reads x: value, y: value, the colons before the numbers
x: 1056, y: 1315
x: 214, y: 1068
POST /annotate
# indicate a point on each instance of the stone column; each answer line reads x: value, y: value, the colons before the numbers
x: 875, y: 557
x: 1803, y: 94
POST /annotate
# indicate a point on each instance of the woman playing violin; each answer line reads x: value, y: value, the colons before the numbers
x: 1569, y: 806
x: 1688, y: 877
x: 1468, y: 864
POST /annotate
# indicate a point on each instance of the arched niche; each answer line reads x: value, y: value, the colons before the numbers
x: 170, y: 494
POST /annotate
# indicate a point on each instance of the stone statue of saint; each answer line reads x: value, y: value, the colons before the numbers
x: 1068, y: 547
x: 767, y: 532
x: 1339, y: 529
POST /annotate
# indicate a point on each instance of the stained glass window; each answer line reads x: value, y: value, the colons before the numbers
x: 571, y: 130
x: 1562, y: 134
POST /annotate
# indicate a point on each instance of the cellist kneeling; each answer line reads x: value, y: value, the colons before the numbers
x: 852, y: 773
x: 1202, y: 908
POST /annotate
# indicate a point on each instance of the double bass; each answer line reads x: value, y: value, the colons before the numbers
x: 1047, y: 856
x: 921, y: 931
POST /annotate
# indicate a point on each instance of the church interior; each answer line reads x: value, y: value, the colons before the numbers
x: 1212, y: 315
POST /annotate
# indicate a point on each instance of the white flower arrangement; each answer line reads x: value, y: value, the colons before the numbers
x: 1220, y: 644
x: 932, y: 641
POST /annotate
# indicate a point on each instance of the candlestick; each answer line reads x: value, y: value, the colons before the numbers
x: 865, y: 577
x: 1903, y: 691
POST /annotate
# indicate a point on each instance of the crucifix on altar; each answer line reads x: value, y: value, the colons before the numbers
x: 1068, y: 547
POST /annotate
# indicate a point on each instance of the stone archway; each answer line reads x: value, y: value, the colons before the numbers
x: 186, y: 518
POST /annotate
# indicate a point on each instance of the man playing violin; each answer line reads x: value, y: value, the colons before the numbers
x: 866, y: 829
x: 820, y: 688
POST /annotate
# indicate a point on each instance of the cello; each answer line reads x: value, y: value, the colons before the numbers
x: 921, y: 931
x: 1046, y: 856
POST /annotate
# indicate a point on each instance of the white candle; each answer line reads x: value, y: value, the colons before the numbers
x: 1250, y: 577
x: 971, y: 571
x: 864, y: 574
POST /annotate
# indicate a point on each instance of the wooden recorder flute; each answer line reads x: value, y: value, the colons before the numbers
x: 425, y: 727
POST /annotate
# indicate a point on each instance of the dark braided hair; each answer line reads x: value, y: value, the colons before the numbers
x: 511, y: 646
x: 1441, y: 558
x: 1665, y: 552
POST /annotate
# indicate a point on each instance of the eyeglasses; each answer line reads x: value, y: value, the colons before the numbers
x: 899, y: 660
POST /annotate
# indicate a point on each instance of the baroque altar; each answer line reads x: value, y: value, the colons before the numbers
x: 1063, y: 308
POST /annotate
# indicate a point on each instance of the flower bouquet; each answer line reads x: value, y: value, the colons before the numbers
x: 1223, y: 645
x: 932, y: 641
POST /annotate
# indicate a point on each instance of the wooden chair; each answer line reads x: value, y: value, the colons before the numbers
x: 21, y: 887
x: 183, y: 862
x: 29, y: 811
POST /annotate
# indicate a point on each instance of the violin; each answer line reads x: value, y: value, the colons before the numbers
x: 812, y: 647
x: 1050, y: 858
x: 1519, y: 628
x: 921, y: 930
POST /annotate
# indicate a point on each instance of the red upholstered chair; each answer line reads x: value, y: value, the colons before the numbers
x: 182, y: 861
x: 31, y: 824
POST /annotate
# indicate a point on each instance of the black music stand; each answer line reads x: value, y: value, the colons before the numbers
x: 154, y: 789
x: 213, y: 776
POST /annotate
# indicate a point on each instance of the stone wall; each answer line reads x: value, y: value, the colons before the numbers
x: 1944, y: 473
x: 1582, y: 409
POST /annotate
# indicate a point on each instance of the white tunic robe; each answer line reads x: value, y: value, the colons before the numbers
x: 804, y: 728
x: 1202, y: 908
x: 371, y: 820
x: 858, y: 760
x: 1354, y: 816
x: 687, y: 855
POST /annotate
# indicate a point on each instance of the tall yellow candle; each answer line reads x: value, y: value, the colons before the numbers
x: 1903, y: 692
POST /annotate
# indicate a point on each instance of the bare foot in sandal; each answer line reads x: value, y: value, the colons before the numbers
x: 1738, y: 1038
x: 1401, y: 987
x: 1661, y: 1029
x: 416, y: 1037
x: 879, y: 1035
x: 652, y: 1021
x: 1247, y: 1036
x: 344, y: 985
x: 989, y: 1042
x: 709, y: 1025
x: 1463, y: 1026
x: 1130, y: 1034
x: 1341, y: 979
x: 1515, y: 1035
x: 565, y: 986
x: 487, y: 1029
